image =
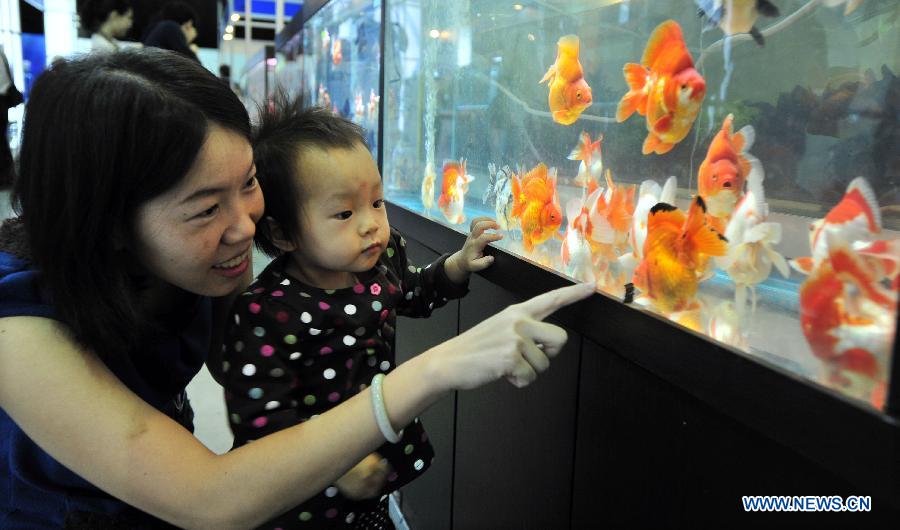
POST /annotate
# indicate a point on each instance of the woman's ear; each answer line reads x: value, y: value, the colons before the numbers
x: 278, y: 237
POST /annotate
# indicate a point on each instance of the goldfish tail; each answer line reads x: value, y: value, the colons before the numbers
x: 668, y: 190
x: 706, y: 240
x: 518, y: 203
x: 653, y: 144
x: 636, y: 98
x: 802, y: 265
x: 664, y: 37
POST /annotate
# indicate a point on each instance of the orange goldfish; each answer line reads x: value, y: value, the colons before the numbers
x: 665, y: 87
x: 737, y: 16
x: 372, y: 107
x: 336, y: 54
x: 591, y: 157
x: 577, y: 255
x: 454, y: 187
x: 722, y: 173
x: 673, y: 254
x: 359, y: 110
x: 536, y: 205
x: 848, y: 320
x: 569, y: 92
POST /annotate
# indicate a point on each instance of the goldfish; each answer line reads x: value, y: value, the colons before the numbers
x: 737, y: 16
x: 454, y: 187
x: 590, y: 155
x: 372, y: 107
x: 428, y: 187
x: 856, y: 218
x: 751, y: 239
x: 499, y: 188
x: 849, y: 5
x: 722, y: 174
x: 536, y: 205
x: 611, y: 214
x: 359, y: 110
x: 649, y: 194
x: 848, y: 319
x: 728, y: 325
x: 577, y: 256
x: 336, y: 54
x: 665, y: 87
x: 569, y: 92
x: 673, y: 251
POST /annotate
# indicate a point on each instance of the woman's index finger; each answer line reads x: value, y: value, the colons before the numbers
x: 543, y: 305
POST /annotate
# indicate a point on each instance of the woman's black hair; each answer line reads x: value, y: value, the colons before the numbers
x: 93, y: 13
x: 286, y: 129
x: 103, y: 135
x: 179, y: 12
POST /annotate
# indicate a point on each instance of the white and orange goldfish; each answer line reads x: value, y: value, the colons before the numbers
x: 337, y: 54
x: 499, y: 195
x: 427, y: 191
x: 729, y: 326
x: 372, y: 107
x: 848, y: 320
x: 849, y: 5
x: 569, y: 92
x: 591, y: 157
x: 611, y: 213
x: 359, y: 110
x: 674, y: 251
x: 737, y: 16
x: 665, y: 87
x: 454, y: 186
x: 536, y: 205
x: 751, y: 241
x: 649, y: 194
x: 722, y: 174
x: 855, y: 219
x: 577, y: 255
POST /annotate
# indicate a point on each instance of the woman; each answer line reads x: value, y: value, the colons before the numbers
x: 107, y: 21
x: 112, y: 287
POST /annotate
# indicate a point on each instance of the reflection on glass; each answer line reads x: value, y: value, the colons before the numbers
x: 342, y: 53
x: 740, y: 171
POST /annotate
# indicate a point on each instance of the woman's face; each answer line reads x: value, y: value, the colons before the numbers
x: 190, y: 32
x: 199, y: 235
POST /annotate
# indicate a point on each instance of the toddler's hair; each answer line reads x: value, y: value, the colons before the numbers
x: 287, y: 129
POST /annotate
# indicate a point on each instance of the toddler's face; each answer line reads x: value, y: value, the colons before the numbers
x: 343, y: 224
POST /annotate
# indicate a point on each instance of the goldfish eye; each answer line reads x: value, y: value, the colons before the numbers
x: 577, y: 95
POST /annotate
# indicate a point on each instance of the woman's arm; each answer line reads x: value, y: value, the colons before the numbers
x: 67, y: 401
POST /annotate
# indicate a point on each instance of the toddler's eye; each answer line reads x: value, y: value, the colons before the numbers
x: 379, y: 203
x: 344, y: 215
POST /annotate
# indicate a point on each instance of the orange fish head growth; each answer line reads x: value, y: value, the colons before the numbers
x: 691, y: 88
x: 578, y: 96
x: 551, y: 217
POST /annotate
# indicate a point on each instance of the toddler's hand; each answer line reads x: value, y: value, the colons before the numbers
x: 471, y: 258
x: 365, y: 479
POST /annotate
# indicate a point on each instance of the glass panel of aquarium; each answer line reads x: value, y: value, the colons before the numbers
x: 342, y: 54
x: 258, y: 79
x: 732, y: 166
x: 289, y: 68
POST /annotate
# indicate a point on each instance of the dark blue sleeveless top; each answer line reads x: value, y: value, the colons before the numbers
x: 36, y: 491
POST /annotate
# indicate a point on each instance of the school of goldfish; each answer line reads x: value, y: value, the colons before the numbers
x: 621, y: 235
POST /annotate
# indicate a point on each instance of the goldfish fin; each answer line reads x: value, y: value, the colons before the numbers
x: 635, y: 99
x: 602, y: 231
x: 663, y: 124
x: 550, y: 75
x: 804, y: 265
x: 662, y: 213
x: 664, y: 37
x: 668, y: 190
x: 862, y: 186
x: 757, y: 36
x: 769, y: 233
x: 767, y: 9
x: 518, y: 203
x: 653, y: 144
x: 851, y: 6
x: 705, y: 238
x: 779, y: 261
x: 743, y: 140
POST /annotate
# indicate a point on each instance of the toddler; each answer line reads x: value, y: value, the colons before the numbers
x: 318, y: 323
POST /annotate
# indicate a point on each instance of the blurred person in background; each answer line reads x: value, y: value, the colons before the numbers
x: 174, y: 30
x: 12, y: 97
x: 107, y: 21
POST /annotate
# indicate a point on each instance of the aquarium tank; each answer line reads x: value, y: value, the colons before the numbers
x: 342, y: 60
x: 289, y: 68
x: 731, y: 166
